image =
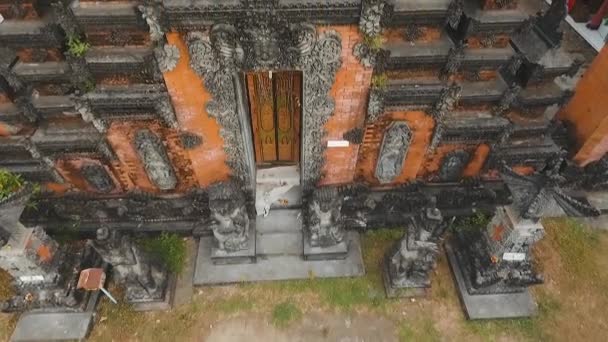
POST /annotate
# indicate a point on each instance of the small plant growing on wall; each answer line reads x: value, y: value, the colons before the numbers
x: 170, y: 249
x: 380, y: 81
x: 9, y: 184
x: 477, y: 222
x: 374, y: 43
x: 77, y: 47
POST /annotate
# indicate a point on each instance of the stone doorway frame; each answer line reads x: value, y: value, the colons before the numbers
x: 221, y: 56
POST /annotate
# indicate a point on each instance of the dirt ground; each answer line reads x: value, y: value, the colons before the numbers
x: 573, y: 304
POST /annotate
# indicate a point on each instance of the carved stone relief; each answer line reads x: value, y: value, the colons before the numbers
x: 151, y: 13
x: 371, y: 16
x: 393, y: 151
x: 414, y: 256
x: 97, y: 177
x: 453, y: 165
x: 167, y: 57
x: 230, y: 222
x: 325, y: 222
x: 155, y: 160
x: 448, y: 98
x: 455, y: 11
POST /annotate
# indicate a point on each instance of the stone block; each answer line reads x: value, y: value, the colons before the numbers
x: 245, y: 256
x: 339, y: 251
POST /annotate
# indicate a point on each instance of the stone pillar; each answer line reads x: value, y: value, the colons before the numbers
x: 492, y: 265
x: 27, y: 254
x: 497, y: 259
x: 408, y: 264
x: 324, y: 236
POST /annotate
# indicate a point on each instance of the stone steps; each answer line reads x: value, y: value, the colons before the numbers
x: 280, y: 221
x: 279, y: 233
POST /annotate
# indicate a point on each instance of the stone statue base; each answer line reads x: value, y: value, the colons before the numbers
x: 405, y: 291
x: 492, y: 305
x: 338, y: 251
x: 244, y: 256
x: 161, y: 302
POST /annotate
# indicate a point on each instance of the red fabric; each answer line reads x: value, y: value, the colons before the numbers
x: 571, y: 5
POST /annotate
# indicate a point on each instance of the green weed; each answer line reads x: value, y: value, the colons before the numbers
x: 285, y: 313
x: 77, y: 47
x: 169, y: 248
x: 9, y: 183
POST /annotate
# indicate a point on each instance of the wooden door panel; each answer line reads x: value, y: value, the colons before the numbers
x: 287, y: 100
x: 261, y: 102
x: 274, y: 104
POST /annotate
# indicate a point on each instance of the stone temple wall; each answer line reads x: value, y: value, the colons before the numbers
x: 127, y: 111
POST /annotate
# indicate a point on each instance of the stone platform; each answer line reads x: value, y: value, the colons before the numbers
x: 490, y: 306
x: 279, y: 255
x: 53, y: 326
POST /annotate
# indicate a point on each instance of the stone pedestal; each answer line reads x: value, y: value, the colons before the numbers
x: 492, y: 265
x: 243, y: 256
x: 337, y: 251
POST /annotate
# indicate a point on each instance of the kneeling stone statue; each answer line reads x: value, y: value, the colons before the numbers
x: 413, y: 257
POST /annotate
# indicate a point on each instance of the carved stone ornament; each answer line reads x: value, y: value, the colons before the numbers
x: 324, y: 223
x: 152, y: 153
x: 151, y: 13
x: 508, y: 99
x: 97, y: 176
x: 412, y: 32
x: 230, y: 222
x: 190, y: 140
x: 354, y: 135
x: 262, y: 44
x: 413, y: 258
x: 455, y: 58
x: 167, y: 57
x: 375, y: 105
x: 365, y: 55
x: 548, y: 24
x: 447, y: 99
x: 454, y: 15
x: 371, y: 17
x: 66, y: 19
x: 395, y: 145
x: 453, y: 165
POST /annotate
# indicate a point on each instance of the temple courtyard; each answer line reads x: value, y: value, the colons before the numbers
x: 573, y: 303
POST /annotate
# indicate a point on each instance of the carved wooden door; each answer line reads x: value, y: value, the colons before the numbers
x: 274, y: 103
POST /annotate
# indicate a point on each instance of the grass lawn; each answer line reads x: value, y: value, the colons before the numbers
x: 573, y: 302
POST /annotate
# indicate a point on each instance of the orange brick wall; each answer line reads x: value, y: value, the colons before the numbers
x: 189, y: 98
x: 587, y: 111
x: 350, y: 92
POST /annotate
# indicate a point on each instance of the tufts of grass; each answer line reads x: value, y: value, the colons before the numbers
x: 6, y: 287
x: 477, y: 222
x: 421, y: 329
x: 285, y: 313
x: 169, y: 248
x: 575, y: 243
x: 346, y: 294
x: 233, y: 305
